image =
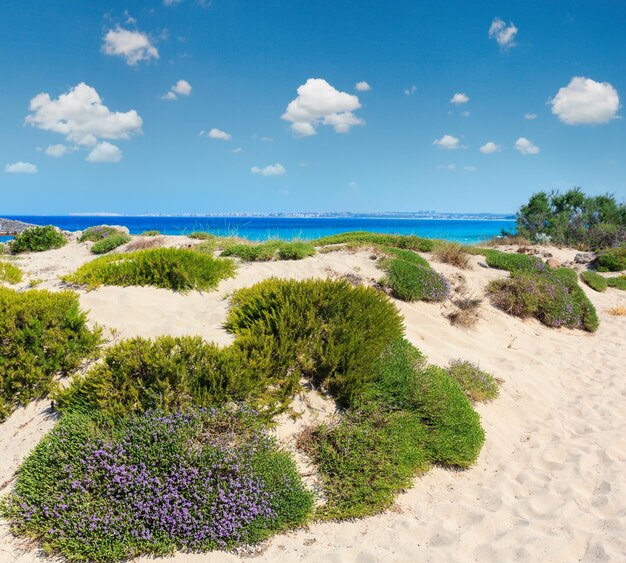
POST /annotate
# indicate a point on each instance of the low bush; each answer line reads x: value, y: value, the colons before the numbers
x: 170, y: 268
x: 365, y: 238
x: 296, y: 250
x: 201, y: 235
x: 553, y: 297
x: 151, y: 233
x: 414, y: 282
x: 512, y: 262
x: 452, y: 253
x: 144, y: 243
x: 43, y: 334
x: 37, y: 239
x: 325, y: 330
x: 406, y: 255
x: 270, y: 250
x: 99, y: 489
x: 617, y: 283
x: 99, y: 232
x: 109, y: 243
x: 10, y: 273
x: 612, y: 260
x: 594, y: 281
x: 478, y: 385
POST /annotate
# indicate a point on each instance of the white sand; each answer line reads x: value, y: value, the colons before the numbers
x: 550, y: 484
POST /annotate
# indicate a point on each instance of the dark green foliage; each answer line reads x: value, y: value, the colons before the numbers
x: 152, y: 233
x: 99, y: 232
x: 613, y: 260
x: 296, y: 250
x: 101, y: 489
x: 10, y: 273
x: 553, y: 297
x: 574, y: 219
x: 478, y: 384
x: 618, y: 282
x: 37, y: 239
x: 365, y: 238
x: 41, y: 334
x: 200, y: 235
x: 325, y: 330
x: 109, y: 243
x: 412, y: 281
x: 170, y: 268
x: 594, y: 280
x: 270, y: 250
x: 512, y: 262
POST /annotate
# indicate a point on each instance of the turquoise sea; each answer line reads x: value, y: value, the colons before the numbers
x: 469, y: 230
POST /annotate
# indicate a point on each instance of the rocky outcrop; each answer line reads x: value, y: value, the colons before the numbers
x: 11, y: 227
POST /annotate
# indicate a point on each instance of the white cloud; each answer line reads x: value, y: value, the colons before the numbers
x: 489, y: 148
x: 447, y: 142
x: 465, y: 114
x: 56, y: 151
x: 81, y: 116
x: 470, y: 168
x: 270, y: 170
x: 171, y: 2
x: 362, y: 86
x: 21, y: 168
x: 446, y: 167
x: 459, y: 98
x: 319, y: 103
x: 585, y: 101
x: 524, y: 146
x: 134, y: 46
x: 181, y: 88
x: 219, y: 134
x: 266, y: 139
x: 104, y: 152
x: 503, y: 34
x: 410, y: 91
x: 530, y: 116
x: 237, y: 150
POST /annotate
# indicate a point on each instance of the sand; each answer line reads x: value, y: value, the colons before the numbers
x: 550, y: 483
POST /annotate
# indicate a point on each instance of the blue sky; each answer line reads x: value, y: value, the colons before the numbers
x: 108, y: 107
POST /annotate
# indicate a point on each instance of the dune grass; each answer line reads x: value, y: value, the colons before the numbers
x: 365, y: 238
x: 10, y: 273
x: 594, y: 280
x: 617, y: 282
x: 452, y: 253
x: 169, y: 268
x: 511, y: 262
x: 269, y: 250
x: 105, y: 245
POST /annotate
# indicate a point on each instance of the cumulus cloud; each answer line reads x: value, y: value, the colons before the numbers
x: 503, y: 34
x: 530, y: 116
x: 459, y: 98
x: 181, y: 88
x: 270, y: 170
x: 447, y: 142
x: 219, y: 134
x: 585, y: 101
x: 56, y: 151
x: 410, y: 91
x: 362, y: 86
x: 81, y: 116
x: 524, y: 146
x: 134, y: 46
x: 21, y: 168
x: 319, y: 103
x: 104, y: 152
x: 489, y: 148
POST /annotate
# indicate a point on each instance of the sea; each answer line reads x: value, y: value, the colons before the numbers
x: 464, y: 230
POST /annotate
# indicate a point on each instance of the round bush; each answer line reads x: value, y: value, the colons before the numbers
x: 38, y: 239
x: 109, y: 243
x: 414, y: 282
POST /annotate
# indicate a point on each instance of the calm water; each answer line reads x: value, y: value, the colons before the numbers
x: 261, y: 228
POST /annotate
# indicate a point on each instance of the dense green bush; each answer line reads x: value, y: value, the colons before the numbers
x: 406, y: 255
x: 296, y: 250
x: 325, y: 330
x: 37, y: 239
x: 10, y: 273
x: 41, y: 334
x: 477, y: 384
x: 618, y: 282
x: 109, y: 243
x: 412, y: 281
x: 553, y: 297
x: 99, y: 232
x: 170, y: 268
x: 101, y: 489
x: 612, y: 260
x: 513, y: 262
x: 365, y: 238
x: 594, y: 280
x: 269, y: 250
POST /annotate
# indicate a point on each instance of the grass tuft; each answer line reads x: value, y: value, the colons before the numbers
x: 105, y: 245
x: 452, y: 253
x: 478, y: 385
x: 594, y: 280
x: 10, y: 273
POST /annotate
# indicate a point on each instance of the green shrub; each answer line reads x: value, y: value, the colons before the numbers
x: 618, y: 283
x: 613, y: 260
x: 253, y: 252
x: 43, y: 334
x: 478, y: 384
x: 109, y: 243
x: 552, y: 297
x: 594, y: 281
x: 205, y: 247
x: 377, y: 239
x: 37, y: 239
x: 101, y: 489
x: 410, y: 281
x: 152, y: 233
x: 452, y: 253
x: 10, y: 273
x: 406, y: 255
x: 99, y: 232
x: 170, y: 268
x: 325, y: 330
x: 200, y: 235
x: 296, y: 250
x: 513, y: 262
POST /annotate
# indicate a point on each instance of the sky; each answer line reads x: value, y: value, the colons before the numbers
x: 188, y: 106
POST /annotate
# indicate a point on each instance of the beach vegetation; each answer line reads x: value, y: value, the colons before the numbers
x: 99, y: 232
x: 169, y: 268
x: 617, y: 282
x: 201, y: 235
x: 612, y: 260
x: 269, y: 250
x: 37, y: 239
x: 512, y: 262
x: 479, y: 385
x: 151, y: 233
x: 618, y: 311
x: 10, y: 273
x: 144, y: 243
x: 452, y: 253
x: 414, y: 281
x: 366, y: 238
x: 594, y: 280
x: 109, y: 243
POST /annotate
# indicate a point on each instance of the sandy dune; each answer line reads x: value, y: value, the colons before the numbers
x: 550, y: 484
